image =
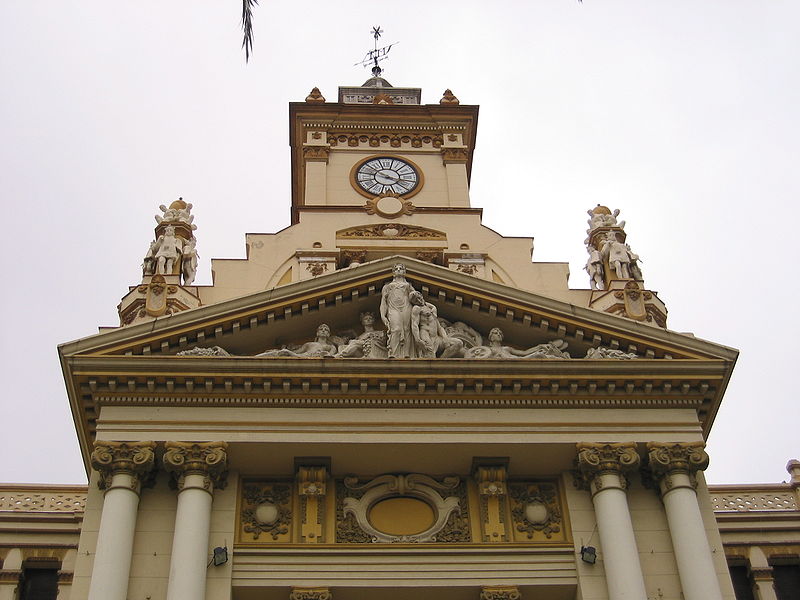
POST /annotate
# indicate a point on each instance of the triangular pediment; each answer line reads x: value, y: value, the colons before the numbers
x: 143, y: 365
x: 290, y: 314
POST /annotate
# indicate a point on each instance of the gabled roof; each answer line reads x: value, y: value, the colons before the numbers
x: 138, y: 364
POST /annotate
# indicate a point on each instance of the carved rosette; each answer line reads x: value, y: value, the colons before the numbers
x: 267, y: 508
x: 209, y: 459
x: 666, y: 462
x: 535, y: 508
x: 136, y: 459
x: 598, y: 460
x: 503, y: 592
x: 310, y: 594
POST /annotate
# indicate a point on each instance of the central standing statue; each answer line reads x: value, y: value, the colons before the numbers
x: 396, y: 314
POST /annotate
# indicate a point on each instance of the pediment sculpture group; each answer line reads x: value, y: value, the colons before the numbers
x: 413, y: 329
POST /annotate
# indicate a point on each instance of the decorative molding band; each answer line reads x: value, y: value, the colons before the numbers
x: 729, y: 500
x: 42, y: 502
x: 595, y: 460
x: 310, y: 594
x: 209, y: 459
x: 136, y: 459
x: 500, y: 593
x: 406, y: 398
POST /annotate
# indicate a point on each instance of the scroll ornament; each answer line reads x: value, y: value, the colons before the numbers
x: 208, y: 459
x: 133, y: 458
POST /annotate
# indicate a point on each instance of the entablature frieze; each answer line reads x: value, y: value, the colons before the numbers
x: 401, y: 509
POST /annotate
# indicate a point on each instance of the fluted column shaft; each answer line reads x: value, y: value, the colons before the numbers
x: 197, y: 469
x: 122, y: 466
x: 602, y: 468
x: 674, y: 467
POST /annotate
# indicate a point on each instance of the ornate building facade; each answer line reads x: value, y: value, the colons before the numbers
x: 388, y: 399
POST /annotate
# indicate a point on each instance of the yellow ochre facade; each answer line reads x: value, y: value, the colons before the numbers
x: 388, y: 399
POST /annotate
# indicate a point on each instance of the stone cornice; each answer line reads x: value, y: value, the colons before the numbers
x: 209, y: 459
x: 136, y: 459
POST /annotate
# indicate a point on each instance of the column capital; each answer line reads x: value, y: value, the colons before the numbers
x: 500, y: 592
x: 595, y: 460
x: 665, y: 461
x: 136, y: 459
x: 208, y: 459
x: 310, y: 594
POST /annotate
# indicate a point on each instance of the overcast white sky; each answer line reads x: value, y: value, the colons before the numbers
x: 682, y: 114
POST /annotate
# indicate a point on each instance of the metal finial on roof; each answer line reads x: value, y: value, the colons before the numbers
x: 376, y: 55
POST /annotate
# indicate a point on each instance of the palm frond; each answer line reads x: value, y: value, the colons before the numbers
x: 247, y: 27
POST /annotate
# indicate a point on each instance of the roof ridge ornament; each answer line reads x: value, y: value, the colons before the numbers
x: 376, y: 55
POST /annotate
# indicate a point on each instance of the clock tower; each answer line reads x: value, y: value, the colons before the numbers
x: 378, y: 148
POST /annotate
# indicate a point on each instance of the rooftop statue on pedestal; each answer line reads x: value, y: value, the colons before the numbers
x: 615, y: 276
x: 170, y: 258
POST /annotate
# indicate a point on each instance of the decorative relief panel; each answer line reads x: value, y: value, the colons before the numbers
x: 536, y: 512
x: 266, y: 512
x: 412, y: 508
x: 408, y: 508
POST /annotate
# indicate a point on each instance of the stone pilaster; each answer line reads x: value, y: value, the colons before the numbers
x: 602, y: 470
x: 674, y: 466
x: 197, y: 468
x: 311, y: 489
x: 500, y: 592
x: 492, y: 491
x: 123, y: 466
x: 310, y: 594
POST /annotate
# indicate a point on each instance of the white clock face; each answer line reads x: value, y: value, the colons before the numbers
x: 385, y: 174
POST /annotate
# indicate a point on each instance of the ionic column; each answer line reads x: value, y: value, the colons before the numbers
x: 674, y: 467
x: 602, y: 468
x: 122, y: 467
x: 197, y: 468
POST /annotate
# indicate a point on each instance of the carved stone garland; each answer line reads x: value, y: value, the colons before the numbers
x: 310, y: 594
x: 500, y: 593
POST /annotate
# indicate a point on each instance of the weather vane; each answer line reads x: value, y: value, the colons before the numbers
x: 376, y: 55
